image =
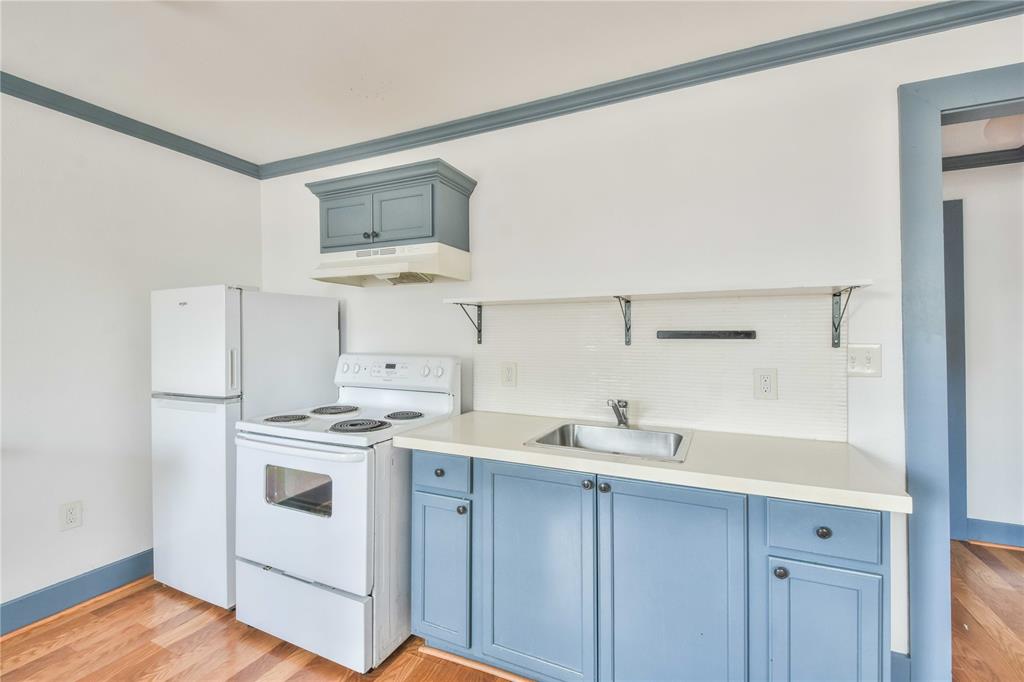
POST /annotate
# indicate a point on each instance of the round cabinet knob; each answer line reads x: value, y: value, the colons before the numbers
x: 366, y: 235
x: 604, y: 487
x: 824, y: 532
x: 461, y: 509
x: 344, y: 367
x: 439, y: 372
x: 781, y: 572
x: 375, y: 234
x: 425, y: 371
x: 587, y: 484
x: 439, y: 473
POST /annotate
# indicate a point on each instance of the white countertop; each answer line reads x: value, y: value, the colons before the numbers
x: 791, y: 468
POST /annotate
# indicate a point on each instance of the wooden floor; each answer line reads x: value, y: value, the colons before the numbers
x: 146, y: 631
x: 988, y: 613
x: 151, y: 632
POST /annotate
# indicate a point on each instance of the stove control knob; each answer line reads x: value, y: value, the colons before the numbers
x: 344, y: 368
x: 355, y: 369
x: 439, y: 372
x: 426, y: 370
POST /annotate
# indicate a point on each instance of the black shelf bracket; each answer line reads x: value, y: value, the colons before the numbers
x: 838, y: 311
x: 626, y: 306
x: 478, y: 325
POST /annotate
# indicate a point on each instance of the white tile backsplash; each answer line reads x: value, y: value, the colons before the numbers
x: 571, y: 358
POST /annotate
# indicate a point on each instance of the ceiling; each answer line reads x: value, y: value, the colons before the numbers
x: 987, y: 135
x: 271, y: 80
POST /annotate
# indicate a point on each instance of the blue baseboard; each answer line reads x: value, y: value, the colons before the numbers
x: 900, y: 667
x: 995, y: 531
x: 34, y: 606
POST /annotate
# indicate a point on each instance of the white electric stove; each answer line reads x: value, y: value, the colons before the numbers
x: 322, y: 538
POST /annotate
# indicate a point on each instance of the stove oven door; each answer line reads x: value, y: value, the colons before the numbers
x: 306, y: 509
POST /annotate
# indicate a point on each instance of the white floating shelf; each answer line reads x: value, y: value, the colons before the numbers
x: 781, y: 290
x: 625, y: 302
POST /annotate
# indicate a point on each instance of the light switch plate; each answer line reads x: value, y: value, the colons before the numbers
x: 864, y: 360
x: 508, y: 374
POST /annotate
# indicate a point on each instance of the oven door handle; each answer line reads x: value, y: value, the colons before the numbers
x: 340, y: 454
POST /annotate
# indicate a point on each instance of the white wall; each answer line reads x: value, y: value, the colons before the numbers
x: 92, y: 221
x: 787, y: 174
x: 994, y: 325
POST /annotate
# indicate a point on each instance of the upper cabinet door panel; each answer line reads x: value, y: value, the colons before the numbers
x: 824, y: 622
x: 672, y: 582
x: 538, y: 598
x: 404, y: 213
x: 344, y: 221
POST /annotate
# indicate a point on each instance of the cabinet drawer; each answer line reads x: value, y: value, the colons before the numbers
x: 444, y: 472
x: 840, y: 532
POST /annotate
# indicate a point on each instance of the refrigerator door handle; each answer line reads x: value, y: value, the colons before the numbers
x: 233, y: 369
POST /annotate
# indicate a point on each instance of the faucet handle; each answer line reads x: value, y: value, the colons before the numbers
x: 613, y: 402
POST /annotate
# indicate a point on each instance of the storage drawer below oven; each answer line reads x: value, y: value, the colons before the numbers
x: 330, y: 623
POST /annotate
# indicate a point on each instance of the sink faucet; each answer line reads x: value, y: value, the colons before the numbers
x: 619, y: 407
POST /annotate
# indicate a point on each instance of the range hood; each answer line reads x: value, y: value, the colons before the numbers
x: 390, y: 265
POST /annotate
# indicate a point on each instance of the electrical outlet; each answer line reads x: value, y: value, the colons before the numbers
x: 71, y: 515
x: 508, y: 374
x: 864, y: 360
x: 766, y: 384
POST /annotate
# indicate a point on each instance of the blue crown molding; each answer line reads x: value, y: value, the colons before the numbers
x: 72, y: 106
x: 982, y: 159
x: 19, y: 612
x: 885, y: 29
x: 880, y: 30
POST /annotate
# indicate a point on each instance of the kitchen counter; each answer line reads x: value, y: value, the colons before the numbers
x: 791, y: 468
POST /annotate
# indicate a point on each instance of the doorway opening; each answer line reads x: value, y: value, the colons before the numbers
x: 929, y: 380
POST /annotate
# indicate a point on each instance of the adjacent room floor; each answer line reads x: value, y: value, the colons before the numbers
x: 988, y: 613
x: 148, y: 631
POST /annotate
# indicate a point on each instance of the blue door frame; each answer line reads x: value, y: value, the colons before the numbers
x: 921, y: 108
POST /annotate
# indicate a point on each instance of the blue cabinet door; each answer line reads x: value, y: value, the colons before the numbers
x: 824, y: 622
x: 345, y: 221
x: 440, y: 568
x: 537, y: 532
x: 672, y: 582
x: 404, y: 213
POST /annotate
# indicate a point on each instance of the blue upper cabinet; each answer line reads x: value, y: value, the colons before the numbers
x: 440, y: 574
x: 537, y: 533
x: 346, y: 221
x: 824, y: 623
x: 400, y: 214
x: 672, y: 582
x: 413, y: 204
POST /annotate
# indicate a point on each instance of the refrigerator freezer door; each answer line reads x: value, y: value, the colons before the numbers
x: 289, y: 351
x: 196, y: 341
x: 194, y: 497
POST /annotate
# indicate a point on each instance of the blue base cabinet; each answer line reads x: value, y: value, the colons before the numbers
x: 824, y: 622
x: 441, y: 562
x: 673, y: 578
x: 538, y: 595
x: 565, y: 576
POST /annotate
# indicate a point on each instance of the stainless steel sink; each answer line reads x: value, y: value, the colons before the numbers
x: 616, y: 440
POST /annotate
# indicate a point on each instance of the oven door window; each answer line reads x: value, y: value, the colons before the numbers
x: 304, y: 491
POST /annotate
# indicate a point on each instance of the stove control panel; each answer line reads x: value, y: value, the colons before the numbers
x: 413, y: 372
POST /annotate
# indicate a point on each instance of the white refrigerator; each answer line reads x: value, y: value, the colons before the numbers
x: 220, y: 354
